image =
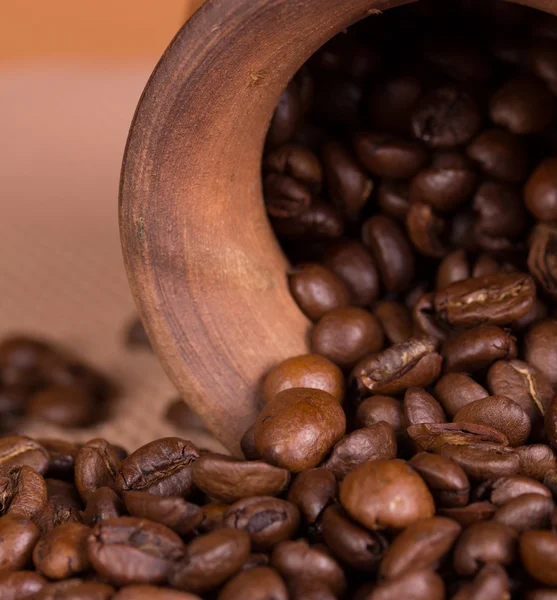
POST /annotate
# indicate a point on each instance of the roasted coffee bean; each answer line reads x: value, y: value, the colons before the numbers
x: 446, y: 481
x: 62, y: 456
x: 419, y: 584
x: 527, y: 512
x: 538, y: 551
x: 410, y: 363
x: 483, y: 461
x: 523, y: 105
x: 18, y: 537
x: 64, y: 406
x: 345, y: 335
x: 75, y: 589
x: 468, y: 515
x: 395, y: 320
x: 391, y: 250
x: 172, y: 511
x: 19, y: 450
x: 482, y: 543
x: 551, y: 422
x: 15, y: 585
x: 420, y: 545
x: 351, y: 261
x: 226, y: 480
x: 425, y: 230
x: 210, y: 560
x: 262, y: 583
x: 267, y: 520
x: 491, y: 581
x: 540, y: 192
x: 296, y: 161
x: 256, y: 559
x: 432, y: 437
x: 303, y: 588
x: 351, y: 544
x: 536, y: 460
x: 502, y: 413
x: 297, y: 559
x: 389, y: 156
x: 162, y: 468
x: 349, y: 185
x: 500, y: 154
x: 285, y: 197
x: 505, y: 489
x: 485, y: 265
x: 456, y: 390
x: 130, y: 550
x: 181, y: 416
x: 298, y: 427
x: 104, y: 503
x: 393, y: 198
x: 213, y: 515
x: 96, y: 465
x: 286, y: 116
x: 478, y: 348
x: 421, y: 407
x: 247, y: 444
x: 151, y: 592
x: 446, y: 117
x: 338, y: 100
x: 376, y: 442
x: 495, y: 299
x: 62, y: 553
x: 320, y: 221
x: 374, y: 409
x: 386, y: 493
x: 460, y: 60
x: 317, y: 290
x: 22, y: 491
x: 538, y: 312
x: 312, y: 491
x: 540, y: 350
x: 499, y: 210
x: 425, y: 322
x: 542, y: 259
x: 446, y: 183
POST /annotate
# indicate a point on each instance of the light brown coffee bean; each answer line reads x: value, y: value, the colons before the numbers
x: 62, y: 553
x: 262, y: 583
x: 19, y: 450
x: 96, y: 465
x: 421, y: 407
x: 456, y: 390
x: 18, y: 537
x: 311, y: 491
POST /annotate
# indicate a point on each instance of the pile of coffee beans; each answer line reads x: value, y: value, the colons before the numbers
x: 42, y: 382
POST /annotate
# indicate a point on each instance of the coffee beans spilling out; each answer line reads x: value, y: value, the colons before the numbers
x: 39, y: 381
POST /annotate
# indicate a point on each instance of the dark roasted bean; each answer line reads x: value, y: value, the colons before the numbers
x: 540, y: 349
x: 15, y: 585
x: 483, y: 461
x: 262, y: 583
x: 542, y: 257
x: 22, y: 491
x: 456, y: 390
x: 395, y: 320
x: 420, y: 584
x: 421, y: 407
x: 527, y: 512
x: 536, y: 460
x: 312, y: 491
x: 500, y: 154
x: 374, y: 409
x: 19, y: 450
x: 96, y: 465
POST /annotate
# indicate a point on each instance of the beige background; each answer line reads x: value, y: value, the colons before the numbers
x: 71, y: 74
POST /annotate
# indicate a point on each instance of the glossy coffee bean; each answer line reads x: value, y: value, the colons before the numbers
x: 212, y: 517
x: 527, y: 512
x: 354, y: 265
x: 64, y: 406
x: 22, y: 491
x: 491, y: 581
x: 505, y: 489
x: 374, y: 409
x: 425, y: 230
x: 247, y: 444
x: 320, y: 221
x: 446, y: 481
x: 538, y: 551
x: 536, y: 460
x: 500, y: 154
x: 540, y: 350
x: 393, y: 198
x: 226, y: 480
x: 346, y: 335
x: 540, y: 192
x: 425, y: 322
x: 456, y: 390
x: 96, y: 465
x: 395, y: 320
x: 18, y: 537
x: 263, y: 583
x: 268, y: 520
x: 403, y: 365
x: 386, y: 493
x: 475, y: 512
x: 420, y: 584
x: 296, y: 161
x: 62, y: 553
x: 311, y: 491
x: 162, y: 467
x: 432, y: 437
x: 376, y: 442
x: 483, y: 461
x: 298, y: 427
x: 20, y: 584
x: 421, y: 407
x: 286, y: 116
x: 104, y: 503
x: 541, y: 258
x: 19, y: 450
x: 130, y: 550
x: 499, y: 210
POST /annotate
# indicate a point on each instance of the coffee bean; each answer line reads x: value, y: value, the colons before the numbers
x: 18, y: 536
x: 505, y: 489
x: 180, y: 415
x: 345, y: 335
x: 297, y: 559
x: 540, y: 192
x: 446, y: 117
x: 96, y: 465
x: 338, y: 100
x: 499, y: 210
x: 285, y: 197
x: 374, y: 409
x: 538, y: 551
x: 391, y: 250
x: 446, y: 481
x: 296, y: 161
x: 256, y: 559
x: 15, y: 585
x: 551, y: 422
x: 541, y: 258
x: 349, y: 184
x: 523, y: 105
x: 298, y: 427
x: 425, y: 322
x: 540, y: 350
x: 67, y: 407
x: 483, y: 461
x: 130, y: 550
x: 425, y: 230
x: 312, y: 491
x: 376, y: 442
x: 393, y: 198
x: 420, y: 584
x: 475, y: 512
x: 263, y: 583
x: 350, y: 260
x: 303, y: 588
x: 247, y: 444
x: 395, y: 320
x: 173, y: 512
x: 75, y: 589
x: 485, y: 265
x: 210, y: 560
x: 267, y: 520
x: 491, y: 581
x: 226, y: 480
x: 102, y: 504
x: 319, y: 222
x: 527, y: 512
x: 19, y: 450
x: 385, y: 493
x: 62, y: 456
x: 421, y: 407
x: 418, y: 546
x: 536, y: 460
x: 493, y: 299
x: 482, y: 543
x: 151, y: 592
x: 162, y: 468
x: 63, y: 506
x: 456, y: 390
x: 404, y: 365
x: 433, y: 437
x: 62, y: 553
x: 213, y: 515
x: 478, y: 348
x: 351, y: 544
x: 286, y: 116
x: 500, y: 154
